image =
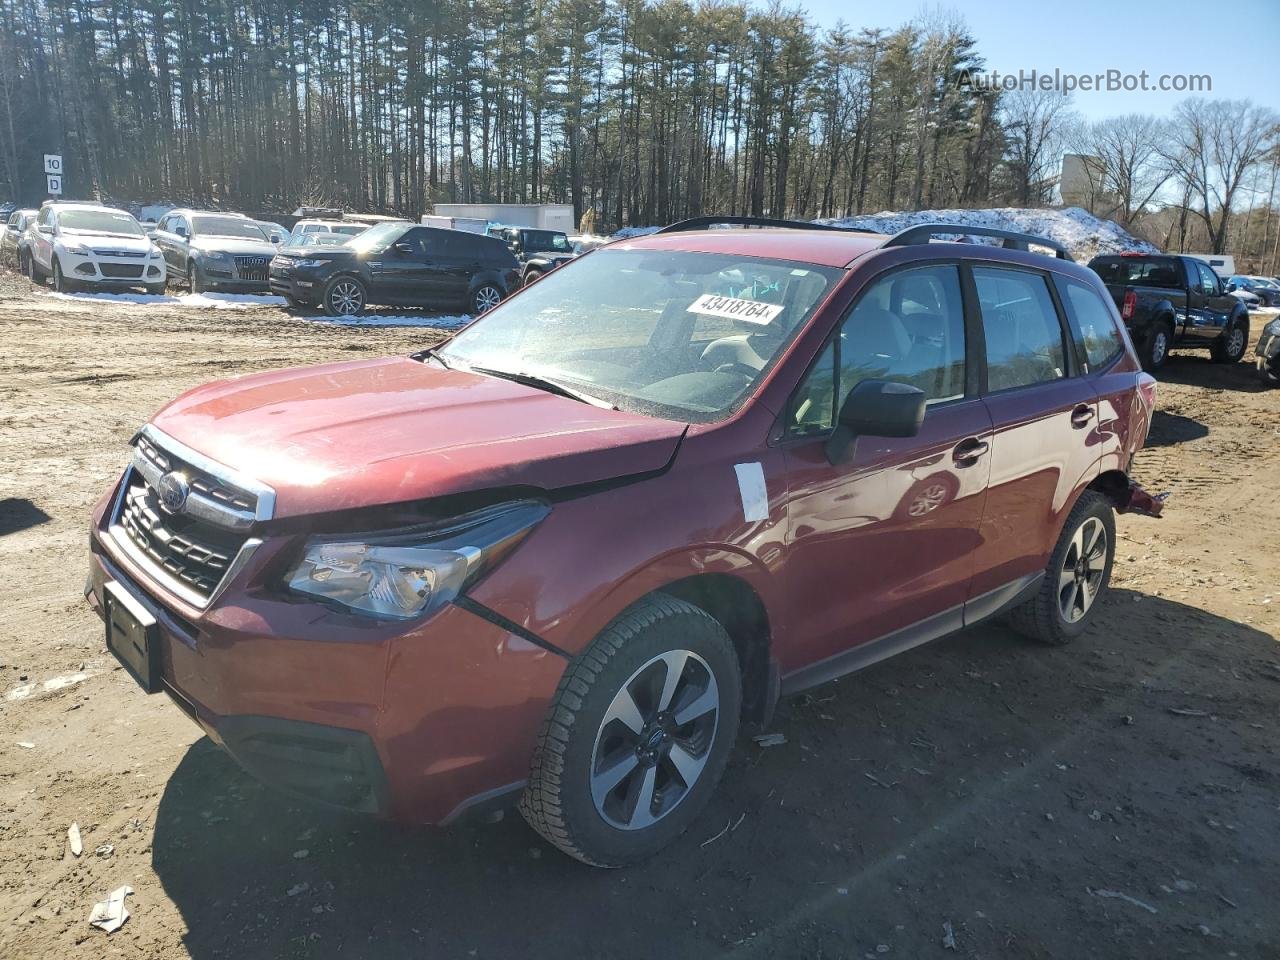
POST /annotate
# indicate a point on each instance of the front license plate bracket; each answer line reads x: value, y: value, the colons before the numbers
x: 132, y: 635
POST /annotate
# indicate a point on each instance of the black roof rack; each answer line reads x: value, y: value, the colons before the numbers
x: 925, y: 232
x: 702, y: 223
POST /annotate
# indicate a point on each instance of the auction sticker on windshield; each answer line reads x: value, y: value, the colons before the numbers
x: 733, y: 308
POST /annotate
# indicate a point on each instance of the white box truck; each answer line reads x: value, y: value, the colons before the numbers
x: 1223, y: 264
x: 539, y: 216
x: 467, y: 224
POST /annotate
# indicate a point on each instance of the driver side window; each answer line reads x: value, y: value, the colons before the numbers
x: 1208, y: 280
x: 908, y: 328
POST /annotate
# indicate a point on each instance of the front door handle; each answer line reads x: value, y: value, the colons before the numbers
x: 1081, y: 416
x: 968, y: 451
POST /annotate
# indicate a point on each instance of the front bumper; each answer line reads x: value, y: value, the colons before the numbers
x: 285, y: 284
x: 418, y: 723
x: 119, y: 272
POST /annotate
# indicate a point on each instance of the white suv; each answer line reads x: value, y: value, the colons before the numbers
x: 89, y: 246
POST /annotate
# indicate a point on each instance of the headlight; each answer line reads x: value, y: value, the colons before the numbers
x: 310, y: 263
x: 217, y: 256
x: 76, y: 249
x: 153, y: 251
x: 412, y: 572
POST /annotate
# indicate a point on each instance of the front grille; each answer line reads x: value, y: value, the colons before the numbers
x: 200, y: 482
x: 252, y: 268
x: 124, y: 271
x: 120, y: 253
x: 194, y: 553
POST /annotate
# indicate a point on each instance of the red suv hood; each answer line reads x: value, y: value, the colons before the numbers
x: 374, y: 432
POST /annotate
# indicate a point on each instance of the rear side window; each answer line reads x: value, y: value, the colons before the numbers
x: 1024, y: 337
x: 1139, y: 271
x: 908, y: 327
x: 1094, y: 324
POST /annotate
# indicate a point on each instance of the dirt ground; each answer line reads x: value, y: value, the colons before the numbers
x: 1116, y: 798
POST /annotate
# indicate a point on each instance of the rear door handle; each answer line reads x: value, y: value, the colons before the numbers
x: 969, y: 450
x: 1081, y: 416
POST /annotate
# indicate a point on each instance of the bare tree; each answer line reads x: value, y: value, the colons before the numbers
x: 1215, y: 145
x: 1034, y: 124
x: 1128, y: 155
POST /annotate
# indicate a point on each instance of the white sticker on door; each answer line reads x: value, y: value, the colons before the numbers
x: 733, y: 308
x: 755, y: 497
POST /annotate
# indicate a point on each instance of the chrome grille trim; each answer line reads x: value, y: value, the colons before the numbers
x: 264, y: 497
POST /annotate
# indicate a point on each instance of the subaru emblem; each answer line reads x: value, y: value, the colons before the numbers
x: 173, y: 490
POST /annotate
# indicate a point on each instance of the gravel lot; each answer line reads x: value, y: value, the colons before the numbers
x: 1116, y: 798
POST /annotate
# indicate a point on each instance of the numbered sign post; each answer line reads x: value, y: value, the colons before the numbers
x: 55, y: 185
x: 53, y: 164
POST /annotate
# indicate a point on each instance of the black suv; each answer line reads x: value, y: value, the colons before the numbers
x: 398, y: 264
x: 1167, y: 300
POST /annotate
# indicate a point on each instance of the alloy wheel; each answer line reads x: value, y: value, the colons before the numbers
x: 1083, y: 566
x: 1159, y: 347
x: 655, y: 740
x: 346, y: 298
x: 487, y: 298
x: 1235, y: 342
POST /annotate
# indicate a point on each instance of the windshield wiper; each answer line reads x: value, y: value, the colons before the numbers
x: 542, y: 383
x: 431, y: 353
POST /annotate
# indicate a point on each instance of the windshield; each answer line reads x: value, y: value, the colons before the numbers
x: 537, y: 241
x: 684, y: 336
x: 354, y: 230
x: 1263, y: 282
x: 227, y: 227
x: 376, y: 239
x: 99, y: 221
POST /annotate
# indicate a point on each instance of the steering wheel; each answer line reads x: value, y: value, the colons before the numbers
x: 742, y: 369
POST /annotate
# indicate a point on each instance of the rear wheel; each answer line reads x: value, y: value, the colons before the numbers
x: 1230, y: 347
x: 344, y: 297
x: 486, y: 297
x: 34, y: 273
x: 1155, y: 351
x: 1077, y: 576
x: 637, y: 736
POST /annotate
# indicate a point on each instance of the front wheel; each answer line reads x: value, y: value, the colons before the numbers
x: 1155, y: 350
x: 486, y: 297
x: 344, y: 297
x: 156, y: 289
x: 637, y: 735
x: 1077, y: 576
x: 1230, y: 347
x: 60, y: 283
x: 531, y: 277
x: 196, y: 282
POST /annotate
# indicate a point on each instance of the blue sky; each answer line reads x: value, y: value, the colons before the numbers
x: 1232, y: 42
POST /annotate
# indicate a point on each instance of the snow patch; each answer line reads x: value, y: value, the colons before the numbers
x: 1083, y: 234
x: 195, y: 301
x: 626, y: 233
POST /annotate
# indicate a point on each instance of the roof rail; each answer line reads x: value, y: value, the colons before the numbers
x: 701, y: 223
x: 925, y: 232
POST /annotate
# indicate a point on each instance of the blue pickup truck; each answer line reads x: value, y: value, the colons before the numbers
x: 1168, y: 300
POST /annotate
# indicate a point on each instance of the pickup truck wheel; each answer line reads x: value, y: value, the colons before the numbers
x: 1076, y: 577
x: 637, y: 735
x: 343, y: 297
x: 1230, y: 347
x: 1156, y: 349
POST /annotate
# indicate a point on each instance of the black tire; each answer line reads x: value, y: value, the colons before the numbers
x: 485, y: 297
x: 344, y: 296
x: 1155, y: 349
x: 294, y: 303
x: 1042, y: 617
x: 156, y: 289
x: 60, y: 282
x: 530, y: 277
x: 34, y: 273
x: 559, y: 801
x: 1230, y: 347
x: 196, y: 282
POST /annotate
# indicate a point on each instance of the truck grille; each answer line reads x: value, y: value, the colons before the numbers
x: 194, y: 553
x: 252, y: 268
x: 194, y: 546
x: 127, y: 271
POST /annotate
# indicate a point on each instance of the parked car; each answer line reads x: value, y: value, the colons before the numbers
x: 215, y: 251
x: 90, y: 246
x: 10, y: 239
x: 1264, y: 288
x: 315, y: 240
x: 539, y: 251
x: 1268, y: 353
x: 560, y: 558
x: 397, y: 263
x: 307, y: 227
x: 1169, y: 301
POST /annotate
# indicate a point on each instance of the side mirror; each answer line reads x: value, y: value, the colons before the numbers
x: 406, y: 249
x: 45, y: 229
x: 875, y: 408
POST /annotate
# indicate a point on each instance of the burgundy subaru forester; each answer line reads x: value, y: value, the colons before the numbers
x: 559, y: 559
